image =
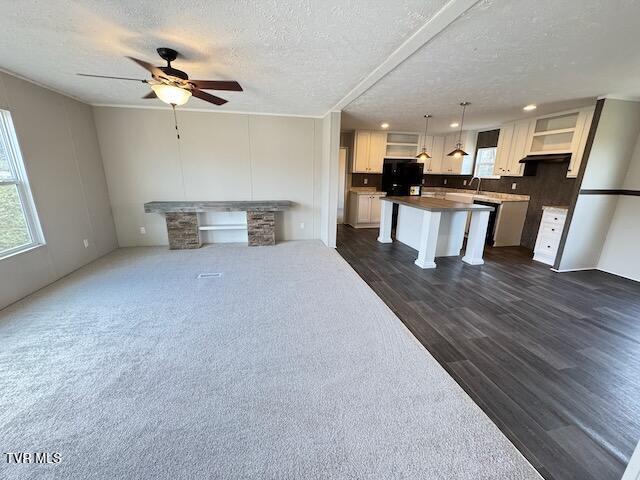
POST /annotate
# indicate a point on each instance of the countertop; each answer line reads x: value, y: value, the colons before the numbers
x: 555, y: 209
x: 437, y: 204
x: 366, y: 191
x: 207, y: 206
x: 492, y: 197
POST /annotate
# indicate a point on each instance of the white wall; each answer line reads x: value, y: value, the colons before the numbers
x: 59, y: 145
x: 609, y: 160
x: 219, y: 157
x: 620, y: 250
x: 329, y: 178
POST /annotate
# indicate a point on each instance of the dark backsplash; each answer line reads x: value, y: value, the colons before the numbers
x: 373, y: 180
x: 550, y: 186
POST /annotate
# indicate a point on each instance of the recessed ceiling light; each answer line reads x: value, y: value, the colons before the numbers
x: 530, y: 107
x: 384, y: 125
x: 454, y: 125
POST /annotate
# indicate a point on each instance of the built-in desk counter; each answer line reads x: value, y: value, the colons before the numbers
x: 435, y: 227
x: 183, y: 226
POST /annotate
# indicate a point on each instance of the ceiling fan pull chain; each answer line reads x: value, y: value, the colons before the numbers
x: 175, y: 120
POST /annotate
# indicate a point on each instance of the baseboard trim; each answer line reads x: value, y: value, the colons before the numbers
x: 565, y: 270
x: 619, y: 275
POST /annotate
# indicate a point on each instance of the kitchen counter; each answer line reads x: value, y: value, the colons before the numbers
x: 485, y: 196
x: 437, y: 204
x: 366, y: 191
x: 561, y: 210
x: 435, y: 227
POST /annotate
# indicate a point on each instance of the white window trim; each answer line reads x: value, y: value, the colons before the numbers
x: 21, y: 181
x: 475, y: 167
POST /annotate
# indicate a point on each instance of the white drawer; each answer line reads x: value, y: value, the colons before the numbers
x: 551, y: 230
x: 548, y: 245
x: 554, y: 219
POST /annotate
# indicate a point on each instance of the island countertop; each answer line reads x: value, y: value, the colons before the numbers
x: 220, y: 206
x: 437, y: 204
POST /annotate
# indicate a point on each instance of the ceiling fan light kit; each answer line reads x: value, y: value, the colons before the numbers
x: 173, y: 86
x: 171, y: 95
x: 459, y: 152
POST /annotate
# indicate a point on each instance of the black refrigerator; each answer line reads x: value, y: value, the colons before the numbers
x: 402, y: 177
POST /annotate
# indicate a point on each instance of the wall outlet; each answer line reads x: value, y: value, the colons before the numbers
x: 143, y: 231
x: 445, y: 181
x: 301, y: 225
x: 464, y: 182
x: 513, y: 186
x: 365, y: 181
x: 423, y: 181
x: 86, y: 243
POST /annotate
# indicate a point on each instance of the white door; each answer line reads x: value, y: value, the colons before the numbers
x: 376, y: 204
x: 364, y: 209
x: 377, y: 151
x: 361, y: 154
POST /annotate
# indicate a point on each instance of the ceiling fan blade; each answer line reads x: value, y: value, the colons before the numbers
x: 116, y: 78
x: 147, y: 66
x: 217, y: 85
x: 207, y: 97
x: 151, y: 94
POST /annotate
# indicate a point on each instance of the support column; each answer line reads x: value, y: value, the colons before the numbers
x: 386, y: 215
x: 428, y: 240
x: 183, y: 230
x: 261, y: 228
x: 476, y: 238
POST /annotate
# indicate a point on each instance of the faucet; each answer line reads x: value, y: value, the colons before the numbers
x: 479, y: 181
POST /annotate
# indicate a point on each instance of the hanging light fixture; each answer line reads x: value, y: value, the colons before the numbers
x: 458, y: 152
x: 171, y: 94
x: 424, y: 155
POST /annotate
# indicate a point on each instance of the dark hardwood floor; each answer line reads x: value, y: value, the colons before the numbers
x: 553, y: 359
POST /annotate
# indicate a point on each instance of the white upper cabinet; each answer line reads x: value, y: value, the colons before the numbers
x: 559, y: 133
x: 361, y: 154
x: 580, y: 141
x: 370, y: 149
x: 459, y: 165
x: 505, y: 140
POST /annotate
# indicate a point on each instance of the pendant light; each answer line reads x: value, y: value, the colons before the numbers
x: 424, y: 155
x: 458, y: 152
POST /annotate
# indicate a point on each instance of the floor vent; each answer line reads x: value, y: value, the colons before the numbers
x: 209, y: 275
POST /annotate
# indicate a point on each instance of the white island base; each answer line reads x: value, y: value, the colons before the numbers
x: 436, y: 228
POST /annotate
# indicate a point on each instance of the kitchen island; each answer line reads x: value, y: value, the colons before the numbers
x: 436, y: 228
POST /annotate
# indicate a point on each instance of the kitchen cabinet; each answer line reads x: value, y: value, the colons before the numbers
x: 549, y: 233
x: 364, y: 209
x: 513, y: 143
x: 583, y: 126
x: 435, y: 148
x: 459, y: 165
x: 559, y: 133
x: 369, y: 152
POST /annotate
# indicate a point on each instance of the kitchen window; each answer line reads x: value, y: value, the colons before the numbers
x: 19, y: 226
x: 485, y: 160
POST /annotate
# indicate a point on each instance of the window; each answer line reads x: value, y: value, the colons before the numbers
x: 485, y: 160
x: 19, y: 226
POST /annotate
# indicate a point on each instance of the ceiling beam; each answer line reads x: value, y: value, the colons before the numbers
x: 436, y: 24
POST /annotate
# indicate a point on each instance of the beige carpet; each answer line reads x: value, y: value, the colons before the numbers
x: 286, y: 367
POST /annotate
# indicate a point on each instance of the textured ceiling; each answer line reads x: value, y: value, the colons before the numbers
x: 291, y: 56
x: 503, y: 54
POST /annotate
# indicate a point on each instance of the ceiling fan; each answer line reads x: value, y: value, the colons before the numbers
x: 173, y: 86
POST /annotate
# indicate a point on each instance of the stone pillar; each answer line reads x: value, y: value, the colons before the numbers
x: 261, y: 228
x: 183, y: 230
